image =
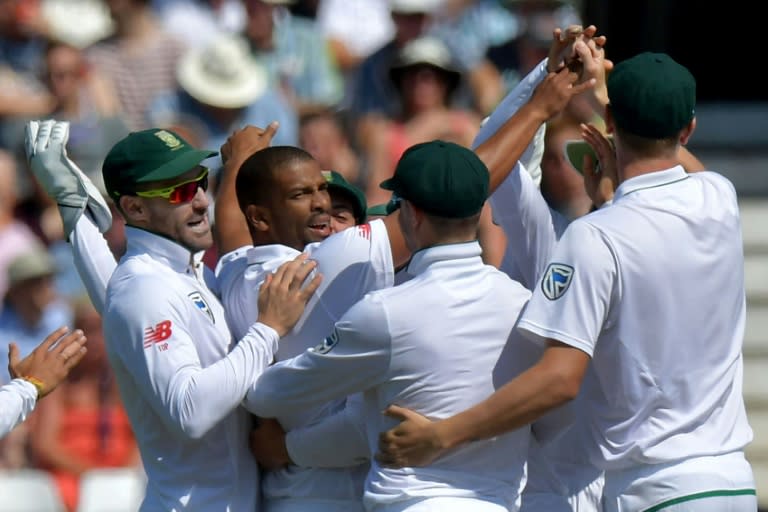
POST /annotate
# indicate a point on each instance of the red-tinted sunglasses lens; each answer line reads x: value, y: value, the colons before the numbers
x: 186, y: 192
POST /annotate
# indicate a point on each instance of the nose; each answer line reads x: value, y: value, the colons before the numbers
x: 321, y: 200
x: 200, y: 201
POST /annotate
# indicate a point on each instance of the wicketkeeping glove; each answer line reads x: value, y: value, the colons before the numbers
x: 62, y: 180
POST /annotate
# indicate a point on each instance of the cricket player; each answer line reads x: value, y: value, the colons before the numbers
x: 283, y: 204
x: 37, y: 374
x: 665, y: 405
x: 442, y: 340
x: 560, y: 477
x: 181, y: 375
x: 75, y: 196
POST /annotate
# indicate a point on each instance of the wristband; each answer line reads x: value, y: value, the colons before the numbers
x: 39, y: 385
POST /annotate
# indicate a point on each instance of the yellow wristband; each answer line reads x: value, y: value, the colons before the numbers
x: 39, y: 385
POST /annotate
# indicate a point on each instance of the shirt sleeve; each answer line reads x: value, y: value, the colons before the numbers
x: 511, y: 103
x: 353, y: 358
x: 158, y: 348
x: 530, y: 225
x: 353, y: 262
x: 337, y: 441
x: 238, y: 295
x: 17, y: 400
x: 93, y: 259
x: 573, y: 296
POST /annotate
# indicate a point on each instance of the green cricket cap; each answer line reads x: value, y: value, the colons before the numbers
x: 337, y: 182
x: 577, y: 149
x: 651, y: 95
x: 441, y: 178
x: 147, y: 156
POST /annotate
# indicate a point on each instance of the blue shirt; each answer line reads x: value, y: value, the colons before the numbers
x: 301, y: 60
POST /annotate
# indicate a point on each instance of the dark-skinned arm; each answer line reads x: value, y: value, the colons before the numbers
x: 230, y: 227
x: 504, y: 148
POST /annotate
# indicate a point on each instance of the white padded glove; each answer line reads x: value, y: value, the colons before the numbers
x: 62, y: 180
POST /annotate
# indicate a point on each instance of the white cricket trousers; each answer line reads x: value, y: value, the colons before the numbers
x: 588, y: 499
x: 722, y: 483
x: 443, y: 504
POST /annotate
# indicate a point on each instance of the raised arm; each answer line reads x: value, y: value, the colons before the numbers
x: 84, y: 211
x: 549, y: 88
x: 230, y: 227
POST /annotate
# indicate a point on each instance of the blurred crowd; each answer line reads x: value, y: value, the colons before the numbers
x: 353, y: 82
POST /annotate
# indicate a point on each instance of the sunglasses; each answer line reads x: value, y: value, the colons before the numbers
x: 182, y: 192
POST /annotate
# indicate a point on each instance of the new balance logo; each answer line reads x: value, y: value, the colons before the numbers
x: 158, y: 333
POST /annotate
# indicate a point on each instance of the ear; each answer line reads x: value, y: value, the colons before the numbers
x: 257, y: 217
x: 133, y: 208
x: 685, y: 135
x: 417, y: 215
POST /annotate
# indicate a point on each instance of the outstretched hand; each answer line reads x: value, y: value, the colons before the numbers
x: 561, y: 51
x: 414, y: 442
x: 556, y: 90
x: 282, y: 297
x: 50, y: 362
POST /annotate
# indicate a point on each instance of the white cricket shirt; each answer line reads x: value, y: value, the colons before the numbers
x: 352, y: 262
x: 17, y: 401
x: 438, y: 344
x: 181, y: 378
x: 559, y: 452
x: 652, y: 288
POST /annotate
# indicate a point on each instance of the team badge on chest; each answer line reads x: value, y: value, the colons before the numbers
x: 199, y: 301
x: 556, y: 280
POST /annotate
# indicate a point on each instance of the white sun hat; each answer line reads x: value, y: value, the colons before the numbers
x: 222, y: 74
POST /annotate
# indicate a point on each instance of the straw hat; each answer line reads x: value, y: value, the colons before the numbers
x: 31, y: 264
x: 222, y: 74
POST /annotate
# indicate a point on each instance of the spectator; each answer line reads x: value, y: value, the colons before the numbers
x: 83, y: 425
x: 222, y: 88
x: 354, y: 29
x: 21, y: 55
x: 140, y: 58
x: 32, y: 308
x: 200, y: 22
x: 83, y: 97
x: 323, y: 135
x: 469, y: 28
x: 15, y: 236
x: 295, y: 54
x: 425, y: 79
x: 373, y: 94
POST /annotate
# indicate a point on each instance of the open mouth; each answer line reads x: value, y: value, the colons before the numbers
x: 321, y: 228
x: 200, y: 225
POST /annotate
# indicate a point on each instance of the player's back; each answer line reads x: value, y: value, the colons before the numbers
x: 453, y: 343
x: 670, y: 348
